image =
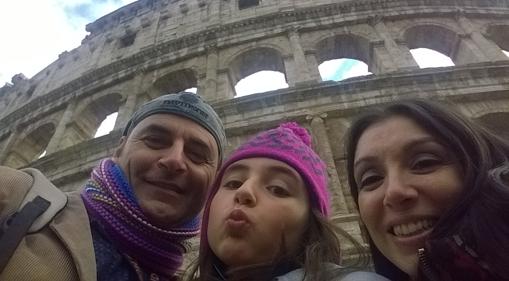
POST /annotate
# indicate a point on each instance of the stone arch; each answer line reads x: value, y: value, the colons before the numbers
x: 433, y: 37
x: 255, y: 60
x: 176, y: 81
x: 88, y: 117
x: 499, y: 33
x: 278, y: 46
x: 496, y: 122
x: 30, y: 146
x: 343, y: 46
x: 440, y: 38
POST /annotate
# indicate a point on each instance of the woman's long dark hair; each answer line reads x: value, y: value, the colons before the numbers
x: 480, y: 214
x: 320, y: 244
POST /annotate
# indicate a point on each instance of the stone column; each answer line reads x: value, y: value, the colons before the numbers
x: 312, y: 64
x: 125, y: 111
x: 301, y: 69
x: 490, y: 50
x: 390, y: 55
x: 66, y: 118
x: 323, y: 149
x: 225, y: 90
x: 210, y: 89
x: 13, y: 137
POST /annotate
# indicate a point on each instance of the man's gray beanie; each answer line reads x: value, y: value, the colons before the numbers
x: 187, y: 105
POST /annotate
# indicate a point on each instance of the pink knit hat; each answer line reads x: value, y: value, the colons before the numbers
x: 290, y: 144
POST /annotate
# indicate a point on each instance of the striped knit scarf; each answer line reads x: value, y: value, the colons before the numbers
x: 111, y: 202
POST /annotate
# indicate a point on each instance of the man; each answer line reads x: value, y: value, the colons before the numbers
x: 130, y: 220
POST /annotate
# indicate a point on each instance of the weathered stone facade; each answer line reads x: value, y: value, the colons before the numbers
x: 152, y: 47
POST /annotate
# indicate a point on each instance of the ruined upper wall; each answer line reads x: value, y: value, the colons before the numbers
x: 150, y: 47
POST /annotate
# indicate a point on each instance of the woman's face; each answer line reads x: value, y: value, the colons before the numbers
x: 406, y: 180
x: 261, y: 204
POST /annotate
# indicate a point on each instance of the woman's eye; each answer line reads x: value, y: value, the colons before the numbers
x: 424, y: 164
x: 370, y: 181
x: 232, y: 184
x: 278, y: 191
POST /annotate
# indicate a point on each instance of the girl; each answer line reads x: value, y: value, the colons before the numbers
x: 266, y: 215
x: 432, y: 191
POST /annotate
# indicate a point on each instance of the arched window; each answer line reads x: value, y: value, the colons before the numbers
x: 257, y: 70
x: 343, y: 56
x: 176, y: 81
x: 500, y: 35
x: 436, y: 46
x: 30, y: 147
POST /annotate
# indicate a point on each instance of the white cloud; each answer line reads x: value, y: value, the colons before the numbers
x: 261, y: 81
x: 430, y: 58
x: 35, y: 33
x: 328, y: 69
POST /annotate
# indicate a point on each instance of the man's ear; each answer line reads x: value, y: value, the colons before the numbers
x: 119, y: 148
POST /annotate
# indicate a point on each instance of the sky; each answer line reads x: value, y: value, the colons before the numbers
x: 33, y: 34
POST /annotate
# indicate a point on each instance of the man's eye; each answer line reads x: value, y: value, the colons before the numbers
x: 278, y: 191
x: 197, y: 156
x: 232, y: 184
x: 154, y: 142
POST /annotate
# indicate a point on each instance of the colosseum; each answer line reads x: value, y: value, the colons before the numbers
x: 151, y: 47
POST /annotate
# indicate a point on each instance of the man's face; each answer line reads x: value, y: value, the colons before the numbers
x: 170, y: 161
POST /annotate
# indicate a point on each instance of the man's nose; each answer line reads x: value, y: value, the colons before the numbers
x: 173, y: 158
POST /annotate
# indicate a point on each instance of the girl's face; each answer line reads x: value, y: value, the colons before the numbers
x: 260, y: 209
x: 406, y: 178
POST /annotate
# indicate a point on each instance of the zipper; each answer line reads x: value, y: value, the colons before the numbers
x: 425, y: 266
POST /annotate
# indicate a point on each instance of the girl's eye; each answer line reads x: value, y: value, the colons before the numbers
x: 232, y: 184
x: 278, y: 191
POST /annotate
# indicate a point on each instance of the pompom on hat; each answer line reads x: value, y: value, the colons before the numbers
x: 291, y: 144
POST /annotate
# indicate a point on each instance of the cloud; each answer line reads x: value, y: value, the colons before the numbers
x: 430, y: 58
x: 33, y: 37
x: 81, y: 10
x: 261, y: 81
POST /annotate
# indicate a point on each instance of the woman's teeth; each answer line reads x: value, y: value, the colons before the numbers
x: 409, y: 229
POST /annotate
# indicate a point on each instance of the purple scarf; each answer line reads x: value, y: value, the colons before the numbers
x: 111, y: 202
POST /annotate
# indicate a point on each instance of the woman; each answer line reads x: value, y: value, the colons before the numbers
x: 266, y: 215
x: 432, y: 190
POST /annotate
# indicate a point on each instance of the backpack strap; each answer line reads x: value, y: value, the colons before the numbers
x: 44, y: 188
x: 18, y: 225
